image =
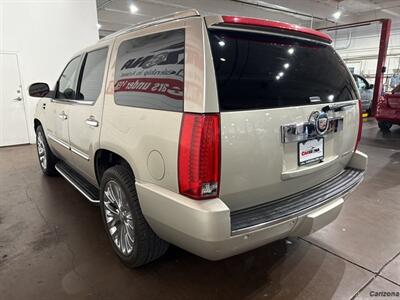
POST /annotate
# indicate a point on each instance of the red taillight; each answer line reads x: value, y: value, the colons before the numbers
x: 199, y: 156
x: 360, y: 121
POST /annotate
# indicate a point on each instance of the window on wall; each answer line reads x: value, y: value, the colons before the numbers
x: 93, y: 74
x: 67, y: 82
x: 149, y: 71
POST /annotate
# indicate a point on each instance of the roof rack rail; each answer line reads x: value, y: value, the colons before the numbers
x: 154, y: 21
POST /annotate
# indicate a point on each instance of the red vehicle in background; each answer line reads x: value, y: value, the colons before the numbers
x: 388, y: 109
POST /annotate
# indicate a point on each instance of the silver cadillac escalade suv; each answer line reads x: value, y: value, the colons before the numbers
x: 217, y: 134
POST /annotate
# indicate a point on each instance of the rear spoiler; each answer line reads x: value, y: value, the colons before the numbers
x: 253, y: 23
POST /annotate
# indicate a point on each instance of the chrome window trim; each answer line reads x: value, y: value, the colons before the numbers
x: 298, y: 132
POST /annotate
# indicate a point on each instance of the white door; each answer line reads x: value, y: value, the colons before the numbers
x: 13, y: 125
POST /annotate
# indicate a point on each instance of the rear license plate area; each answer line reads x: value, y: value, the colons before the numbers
x: 310, y: 151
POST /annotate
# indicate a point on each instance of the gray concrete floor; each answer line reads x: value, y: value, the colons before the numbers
x: 52, y: 244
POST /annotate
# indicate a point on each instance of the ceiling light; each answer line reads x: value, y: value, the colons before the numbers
x: 222, y: 59
x: 133, y: 8
x: 337, y: 14
x: 280, y: 74
x: 286, y: 66
x: 221, y: 43
x: 330, y: 98
x: 278, y: 77
x: 98, y: 26
x: 291, y: 51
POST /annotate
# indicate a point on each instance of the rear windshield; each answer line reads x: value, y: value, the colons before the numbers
x: 256, y: 71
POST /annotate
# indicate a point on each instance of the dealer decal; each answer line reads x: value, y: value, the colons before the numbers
x: 171, y: 88
x: 150, y: 71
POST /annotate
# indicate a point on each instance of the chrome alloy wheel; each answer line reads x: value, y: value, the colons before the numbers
x: 41, y: 148
x: 118, y: 217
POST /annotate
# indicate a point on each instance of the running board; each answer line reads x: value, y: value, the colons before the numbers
x: 81, y: 184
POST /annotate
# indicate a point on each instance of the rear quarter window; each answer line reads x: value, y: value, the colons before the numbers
x: 93, y: 74
x: 149, y: 71
x: 258, y: 71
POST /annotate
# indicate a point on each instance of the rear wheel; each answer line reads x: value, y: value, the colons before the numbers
x: 132, y: 238
x: 47, y: 159
x: 384, y: 125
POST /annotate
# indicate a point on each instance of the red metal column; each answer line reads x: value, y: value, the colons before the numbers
x: 383, y: 46
x: 380, y: 67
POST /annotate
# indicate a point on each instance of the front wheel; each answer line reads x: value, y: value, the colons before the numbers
x: 384, y: 125
x: 132, y: 238
x: 47, y: 160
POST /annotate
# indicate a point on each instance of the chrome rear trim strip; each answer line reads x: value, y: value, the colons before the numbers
x: 303, y: 131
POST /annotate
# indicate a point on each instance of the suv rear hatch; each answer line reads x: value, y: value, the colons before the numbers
x: 288, y: 110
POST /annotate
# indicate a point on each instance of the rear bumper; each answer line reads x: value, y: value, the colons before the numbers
x: 388, y: 114
x: 210, y: 230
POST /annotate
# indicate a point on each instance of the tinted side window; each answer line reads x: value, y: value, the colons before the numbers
x: 149, y: 71
x: 258, y: 71
x: 362, y: 85
x: 67, y: 81
x: 93, y: 74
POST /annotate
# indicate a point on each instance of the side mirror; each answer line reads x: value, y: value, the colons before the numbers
x: 39, y: 89
x: 69, y: 93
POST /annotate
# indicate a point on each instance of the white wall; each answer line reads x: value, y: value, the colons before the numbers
x: 45, y: 34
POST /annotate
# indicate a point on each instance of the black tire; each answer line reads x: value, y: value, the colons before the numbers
x: 47, y: 160
x: 385, y: 125
x: 147, y: 246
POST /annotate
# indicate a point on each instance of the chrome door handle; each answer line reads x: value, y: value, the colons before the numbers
x: 92, y: 122
x: 63, y: 116
x: 18, y: 99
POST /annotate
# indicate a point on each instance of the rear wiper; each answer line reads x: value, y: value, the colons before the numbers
x: 336, y: 107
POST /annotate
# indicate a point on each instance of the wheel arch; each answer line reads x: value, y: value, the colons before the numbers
x: 36, y: 123
x: 105, y: 159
